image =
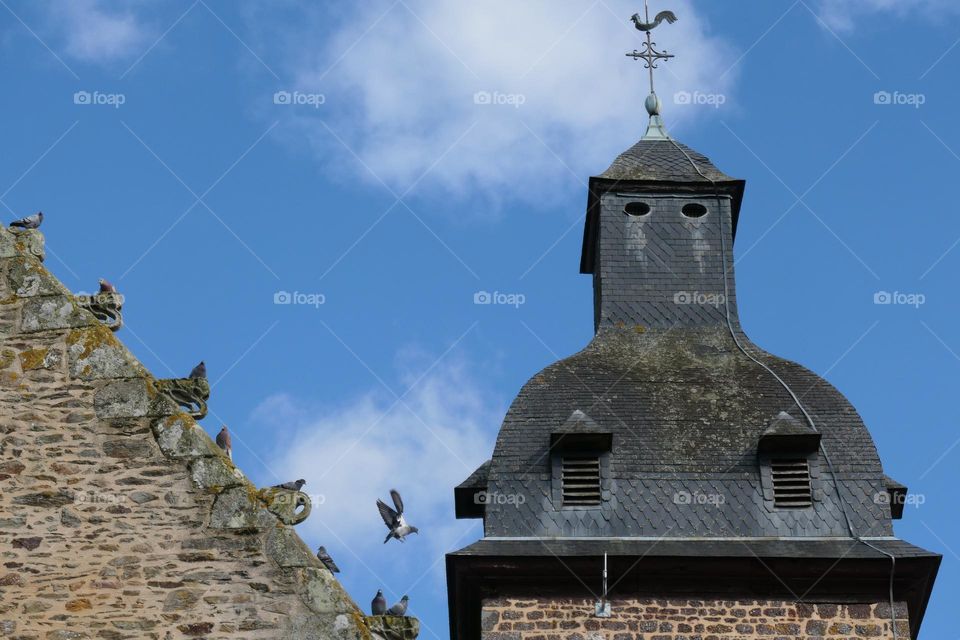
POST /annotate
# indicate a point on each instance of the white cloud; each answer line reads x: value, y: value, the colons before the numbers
x: 843, y: 14
x: 401, y: 92
x: 98, y: 31
x: 354, y: 452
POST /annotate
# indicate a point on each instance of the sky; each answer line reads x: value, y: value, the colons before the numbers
x: 311, y: 197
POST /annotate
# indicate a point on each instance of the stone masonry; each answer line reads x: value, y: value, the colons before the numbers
x: 119, y: 517
x: 657, y: 619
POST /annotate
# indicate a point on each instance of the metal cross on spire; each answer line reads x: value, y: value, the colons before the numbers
x: 651, y: 57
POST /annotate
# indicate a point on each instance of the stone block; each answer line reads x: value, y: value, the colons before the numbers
x: 94, y: 353
x: 394, y: 627
x: 52, y: 312
x: 180, y: 437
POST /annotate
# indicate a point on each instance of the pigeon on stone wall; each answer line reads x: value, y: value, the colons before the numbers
x: 327, y: 561
x: 291, y: 486
x: 223, y: 441
x: 199, y: 371
x: 400, y: 608
x: 394, y: 520
x: 106, y: 287
x: 379, y: 605
x: 30, y: 222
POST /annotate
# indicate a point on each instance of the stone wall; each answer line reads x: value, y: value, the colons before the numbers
x: 119, y: 517
x: 654, y: 619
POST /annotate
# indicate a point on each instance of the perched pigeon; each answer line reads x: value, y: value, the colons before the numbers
x: 106, y: 287
x: 399, y: 609
x: 292, y: 486
x: 399, y: 528
x: 379, y: 604
x: 30, y: 222
x: 327, y: 561
x: 199, y: 371
x: 223, y: 441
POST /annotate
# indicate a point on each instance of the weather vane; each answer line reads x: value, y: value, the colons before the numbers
x: 651, y: 57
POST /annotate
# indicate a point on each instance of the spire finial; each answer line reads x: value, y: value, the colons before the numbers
x: 650, y: 55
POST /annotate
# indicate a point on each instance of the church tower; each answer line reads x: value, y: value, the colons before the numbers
x: 673, y: 480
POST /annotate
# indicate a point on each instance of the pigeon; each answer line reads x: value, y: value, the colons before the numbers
x: 199, y: 371
x: 30, y: 222
x: 223, y: 441
x: 399, y: 528
x: 669, y: 16
x: 379, y: 604
x: 292, y: 486
x: 327, y: 561
x: 400, y: 608
x: 106, y: 287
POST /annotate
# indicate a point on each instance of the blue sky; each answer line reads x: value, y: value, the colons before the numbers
x: 206, y: 156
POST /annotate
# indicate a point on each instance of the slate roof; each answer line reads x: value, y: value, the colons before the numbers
x: 662, y: 160
x: 685, y: 407
x: 769, y: 548
x: 687, y: 410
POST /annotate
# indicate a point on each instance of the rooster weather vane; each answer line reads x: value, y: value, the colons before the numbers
x: 651, y: 57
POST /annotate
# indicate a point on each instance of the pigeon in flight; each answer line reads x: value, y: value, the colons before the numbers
x: 400, y: 608
x: 106, y: 287
x: 379, y: 604
x: 199, y: 371
x: 399, y: 528
x: 223, y: 441
x: 30, y: 222
x: 291, y: 486
x: 327, y: 561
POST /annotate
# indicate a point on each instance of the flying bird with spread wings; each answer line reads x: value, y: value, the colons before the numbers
x: 669, y: 16
x: 394, y: 519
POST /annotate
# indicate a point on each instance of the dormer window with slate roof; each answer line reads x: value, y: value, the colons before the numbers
x: 580, y: 462
x: 580, y: 480
x: 792, y: 488
x: 789, y: 469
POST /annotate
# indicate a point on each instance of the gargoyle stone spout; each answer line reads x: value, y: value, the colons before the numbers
x: 106, y: 307
x: 189, y: 393
x: 291, y: 507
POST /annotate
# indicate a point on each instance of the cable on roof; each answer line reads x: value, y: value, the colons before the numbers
x: 786, y: 386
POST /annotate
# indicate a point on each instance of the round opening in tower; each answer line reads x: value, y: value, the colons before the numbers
x: 694, y: 210
x: 636, y: 209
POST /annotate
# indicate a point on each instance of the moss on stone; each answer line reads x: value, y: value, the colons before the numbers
x: 33, y: 358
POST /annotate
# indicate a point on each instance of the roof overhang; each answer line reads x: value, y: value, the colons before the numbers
x: 469, y: 497
x: 600, y: 186
x: 826, y: 570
